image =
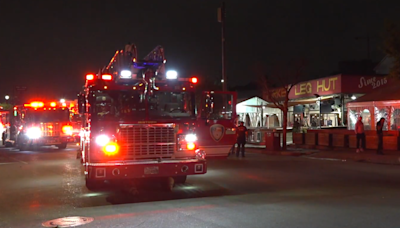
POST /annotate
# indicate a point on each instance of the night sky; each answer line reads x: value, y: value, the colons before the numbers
x: 49, y: 46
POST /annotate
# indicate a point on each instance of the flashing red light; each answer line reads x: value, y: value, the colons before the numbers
x: 191, y: 146
x: 35, y: 104
x: 53, y: 104
x: 194, y: 80
x: 111, y: 149
x: 89, y: 77
x: 66, y: 129
x: 106, y: 77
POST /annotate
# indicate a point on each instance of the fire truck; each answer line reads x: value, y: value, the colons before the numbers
x: 5, y: 127
x: 42, y: 124
x: 141, y: 122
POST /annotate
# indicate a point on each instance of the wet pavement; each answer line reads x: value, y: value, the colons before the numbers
x: 256, y: 191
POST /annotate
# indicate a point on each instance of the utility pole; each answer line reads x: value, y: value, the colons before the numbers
x: 221, y: 19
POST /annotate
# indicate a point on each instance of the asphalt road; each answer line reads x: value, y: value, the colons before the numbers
x: 257, y: 191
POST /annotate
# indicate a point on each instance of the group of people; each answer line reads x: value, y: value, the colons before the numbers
x: 360, y: 135
x: 241, y: 135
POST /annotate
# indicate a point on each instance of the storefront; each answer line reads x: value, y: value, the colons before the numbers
x: 374, y: 106
x: 322, y: 102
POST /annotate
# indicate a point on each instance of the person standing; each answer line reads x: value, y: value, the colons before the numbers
x: 379, y: 132
x: 360, y: 135
x: 241, y: 135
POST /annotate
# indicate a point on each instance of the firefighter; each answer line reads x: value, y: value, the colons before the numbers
x: 241, y: 135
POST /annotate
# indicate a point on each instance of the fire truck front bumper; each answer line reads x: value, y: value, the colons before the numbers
x: 51, y: 140
x: 145, y: 169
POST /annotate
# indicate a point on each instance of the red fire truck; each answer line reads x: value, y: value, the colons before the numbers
x: 42, y: 124
x: 140, y: 122
x: 5, y: 127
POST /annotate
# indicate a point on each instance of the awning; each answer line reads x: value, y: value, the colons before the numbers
x: 293, y: 102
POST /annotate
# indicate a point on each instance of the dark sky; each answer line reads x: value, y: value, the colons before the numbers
x: 49, y: 46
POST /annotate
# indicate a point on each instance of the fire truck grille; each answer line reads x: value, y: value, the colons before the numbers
x: 50, y: 129
x: 147, y: 141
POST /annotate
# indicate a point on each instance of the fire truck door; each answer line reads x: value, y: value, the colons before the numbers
x: 216, y: 123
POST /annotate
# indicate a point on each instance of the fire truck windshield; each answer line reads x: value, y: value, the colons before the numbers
x: 131, y: 105
x: 46, y: 116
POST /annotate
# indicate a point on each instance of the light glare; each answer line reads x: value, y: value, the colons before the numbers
x: 171, y: 74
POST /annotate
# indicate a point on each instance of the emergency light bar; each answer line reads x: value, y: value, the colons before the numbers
x: 106, y: 77
x: 194, y: 80
x: 126, y: 74
x: 171, y: 74
x: 89, y: 77
x: 35, y: 104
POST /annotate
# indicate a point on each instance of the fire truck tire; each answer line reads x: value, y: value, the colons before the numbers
x: 168, y: 184
x: 180, y: 179
x: 22, y: 146
x: 8, y: 144
x: 62, y: 146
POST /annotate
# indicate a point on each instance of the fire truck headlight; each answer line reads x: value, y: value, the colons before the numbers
x: 190, y: 138
x: 102, y: 140
x: 111, y: 149
x: 33, y: 133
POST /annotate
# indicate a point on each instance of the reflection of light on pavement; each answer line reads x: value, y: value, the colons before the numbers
x: 189, y: 187
x: 92, y: 194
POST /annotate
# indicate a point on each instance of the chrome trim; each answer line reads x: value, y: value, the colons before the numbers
x: 144, y: 162
x: 147, y: 140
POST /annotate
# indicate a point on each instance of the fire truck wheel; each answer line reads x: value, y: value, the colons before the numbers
x: 168, y: 184
x: 180, y: 179
x: 22, y: 147
x: 62, y: 146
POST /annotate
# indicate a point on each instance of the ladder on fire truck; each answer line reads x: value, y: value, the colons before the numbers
x: 152, y: 65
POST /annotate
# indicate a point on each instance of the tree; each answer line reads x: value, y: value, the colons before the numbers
x: 276, y: 84
x: 391, y: 46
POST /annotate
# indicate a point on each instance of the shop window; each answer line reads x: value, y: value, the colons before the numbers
x: 366, y: 119
x: 353, y: 115
x: 395, y: 120
x: 382, y: 113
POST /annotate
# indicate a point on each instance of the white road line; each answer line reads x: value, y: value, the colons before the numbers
x: 20, y: 161
x: 7, y: 163
x: 326, y: 159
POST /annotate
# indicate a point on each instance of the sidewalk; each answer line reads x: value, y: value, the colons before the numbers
x: 343, y: 154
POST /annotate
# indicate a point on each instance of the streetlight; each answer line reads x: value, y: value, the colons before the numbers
x: 320, y: 105
x: 7, y: 97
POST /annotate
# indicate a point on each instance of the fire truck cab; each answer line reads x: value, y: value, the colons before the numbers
x: 42, y: 124
x: 140, y: 122
x: 6, y: 128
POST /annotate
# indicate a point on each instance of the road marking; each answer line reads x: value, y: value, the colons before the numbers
x: 7, y: 163
x: 327, y: 159
x: 20, y: 161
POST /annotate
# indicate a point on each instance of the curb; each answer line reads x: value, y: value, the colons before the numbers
x: 363, y: 160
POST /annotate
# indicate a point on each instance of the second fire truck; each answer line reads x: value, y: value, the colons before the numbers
x: 140, y: 122
x: 42, y: 124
